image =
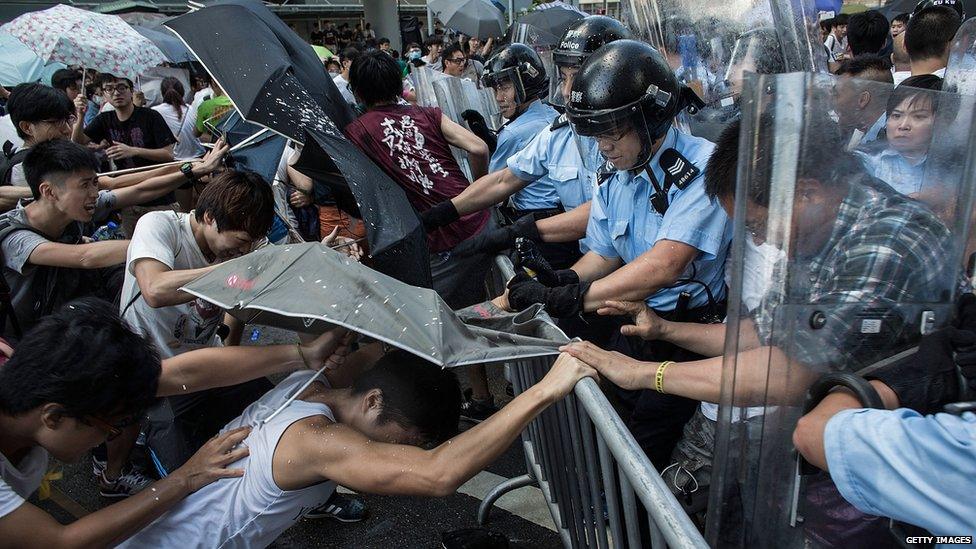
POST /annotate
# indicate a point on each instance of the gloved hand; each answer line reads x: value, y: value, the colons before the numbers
x: 495, y: 240
x: 560, y: 302
x: 440, y: 214
x: 929, y: 378
x: 480, y: 128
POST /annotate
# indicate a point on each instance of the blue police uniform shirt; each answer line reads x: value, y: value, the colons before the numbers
x: 874, y: 132
x: 894, y: 169
x: 912, y: 468
x: 513, y: 137
x: 624, y: 224
x: 555, y: 154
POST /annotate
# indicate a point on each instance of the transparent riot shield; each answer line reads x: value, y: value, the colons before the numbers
x: 711, y: 45
x: 835, y: 298
x: 960, y: 75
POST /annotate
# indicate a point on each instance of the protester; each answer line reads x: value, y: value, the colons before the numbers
x: 898, y: 24
x: 910, y: 111
x: 434, y: 45
x: 458, y: 65
x: 49, y: 407
x: 413, y: 146
x: 174, y: 112
x: 861, y: 105
x: 901, y: 64
x: 927, y: 39
x: 131, y: 137
x: 867, y: 32
x: 333, y: 67
x: 836, y: 42
x: 46, y: 261
x: 361, y: 437
x: 67, y: 81
x: 384, y: 44
x: 346, y: 58
x: 211, y: 111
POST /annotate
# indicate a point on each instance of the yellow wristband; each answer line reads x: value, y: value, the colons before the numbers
x: 659, y: 376
x: 302, y: 354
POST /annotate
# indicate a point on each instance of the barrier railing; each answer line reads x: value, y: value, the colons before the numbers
x: 589, y: 467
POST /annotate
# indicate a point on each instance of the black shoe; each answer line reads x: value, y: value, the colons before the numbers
x: 475, y: 410
x: 341, y: 507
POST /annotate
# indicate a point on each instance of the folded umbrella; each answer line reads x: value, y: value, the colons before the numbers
x: 92, y: 40
x: 309, y: 287
x: 284, y: 87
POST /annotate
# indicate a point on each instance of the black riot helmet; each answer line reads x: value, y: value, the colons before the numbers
x: 627, y: 85
x: 523, y: 67
x: 585, y: 36
x: 954, y: 4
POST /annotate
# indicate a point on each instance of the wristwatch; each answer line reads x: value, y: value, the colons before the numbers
x: 187, y: 170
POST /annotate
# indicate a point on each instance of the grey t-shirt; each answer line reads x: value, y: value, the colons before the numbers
x: 17, y: 248
x: 19, y: 480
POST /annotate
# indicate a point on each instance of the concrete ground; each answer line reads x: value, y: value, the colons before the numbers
x: 393, y: 522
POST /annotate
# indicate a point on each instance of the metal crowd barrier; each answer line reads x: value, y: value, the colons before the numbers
x: 589, y: 467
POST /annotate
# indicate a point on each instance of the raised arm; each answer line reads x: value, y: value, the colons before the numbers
x: 487, y: 191
x: 478, y: 154
x: 80, y: 256
x: 160, y: 285
x: 158, y: 185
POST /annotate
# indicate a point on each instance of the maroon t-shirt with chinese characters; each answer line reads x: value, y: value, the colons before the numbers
x: 407, y: 143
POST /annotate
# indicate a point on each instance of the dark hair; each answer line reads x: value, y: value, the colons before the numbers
x: 823, y: 158
x: 450, y: 49
x: 840, y: 19
x: 85, y: 358
x: 106, y: 78
x: 869, y: 66
x: 349, y: 54
x: 62, y: 79
x: 930, y: 31
x: 54, y: 160
x: 36, y: 102
x: 902, y: 17
x: 238, y: 200
x: 923, y: 86
x: 433, y: 41
x: 332, y: 61
x: 172, y: 91
x: 127, y: 81
x: 416, y: 394
x: 383, y: 40
x: 376, y: 78
x: 867, y: 32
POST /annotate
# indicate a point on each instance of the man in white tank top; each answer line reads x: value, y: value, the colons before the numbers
x: 364, y: 437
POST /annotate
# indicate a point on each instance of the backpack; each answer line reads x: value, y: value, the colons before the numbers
x: 9, y: 160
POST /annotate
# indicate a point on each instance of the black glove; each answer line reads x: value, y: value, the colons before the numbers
x: 495, y: 240
x: 929, y: 378
x: 440, y: 214
x: 560, y: 302
x: 480, y: 128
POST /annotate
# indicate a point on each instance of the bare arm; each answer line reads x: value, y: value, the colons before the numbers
x: 29, y: 526
x: 225, y: 366
x: 130, y: 179
x: 351, y: 460
x: 487, y: 191
x: 460, y: 137
x: 156, y: 186
x: 80, y: 256
x: 808, y: 437
x: 11, y: 195
x: 652, y: 270
x: 565, y: 227
x: 593, y: 266
x: 160, y: 285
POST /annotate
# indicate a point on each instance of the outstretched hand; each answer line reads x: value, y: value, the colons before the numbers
x: 213, y: 160
x: 623, y: 371
x: 342, y: 244
x: 647, y: 325
x: 565, y: 373
x: 210, y: 462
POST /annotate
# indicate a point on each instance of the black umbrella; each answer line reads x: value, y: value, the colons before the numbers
x: 553, y: 18
x: 276, y: 80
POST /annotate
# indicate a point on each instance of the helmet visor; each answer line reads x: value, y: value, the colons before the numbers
x: 620, y: 137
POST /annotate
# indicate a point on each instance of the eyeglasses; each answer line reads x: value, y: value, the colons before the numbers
x: 69, y: 122
x: 457, y: 60
x: 112, y: 432
x: 121, y: 88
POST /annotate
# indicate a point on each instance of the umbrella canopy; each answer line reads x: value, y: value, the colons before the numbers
x: 553, y: 18
x: 479, y: 18
x: 171, y: 46
x: 91, y: 40
x: 283, y: 86
x: 19, y: 64
x: 309, y: 287
x: 323, y: 52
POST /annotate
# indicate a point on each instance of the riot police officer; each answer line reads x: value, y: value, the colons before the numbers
x: 653, y: 234
x: 552, y: 154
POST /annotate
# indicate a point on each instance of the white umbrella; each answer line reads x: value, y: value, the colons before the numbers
x: 480, y: 18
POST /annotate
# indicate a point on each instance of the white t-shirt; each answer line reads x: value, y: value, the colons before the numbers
x: 18, y: 482
x: 167, y: 237
x: 249, y: 511
x: 759, y: 262
x: 343, y: 86
x: 187, y: 145
x: 9, y: 133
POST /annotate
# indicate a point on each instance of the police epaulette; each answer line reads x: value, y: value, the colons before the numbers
x: 560, y: 121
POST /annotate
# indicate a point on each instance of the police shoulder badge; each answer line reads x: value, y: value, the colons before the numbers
x: 561, y: 121
x: 678, y: 170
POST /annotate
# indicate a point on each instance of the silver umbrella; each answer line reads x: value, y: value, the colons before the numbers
x: 480, y: 18
x: 309, y: 287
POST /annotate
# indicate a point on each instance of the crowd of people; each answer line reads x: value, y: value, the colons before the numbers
x: 619, y: 221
